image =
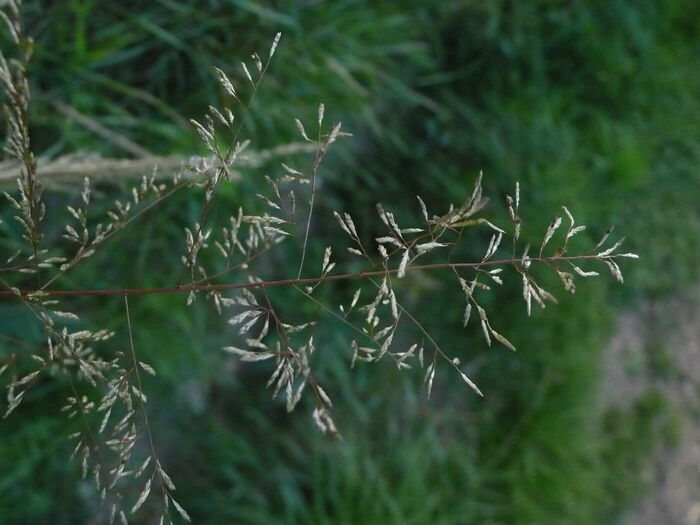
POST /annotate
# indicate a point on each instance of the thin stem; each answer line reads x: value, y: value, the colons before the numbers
x: 281, y: 282
x: 48, y: 327
x: 224, y: 168
x: 308, y: 222
x: 317, y: 162
x: 121, y: 226
x: 138, y: 380
x: 328, y: 310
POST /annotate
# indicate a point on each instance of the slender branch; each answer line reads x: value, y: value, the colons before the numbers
x: 138, y: 377
x: 317, y: 163
x: 121, y: 226
x: 282, y: 282
x: 223, y: 169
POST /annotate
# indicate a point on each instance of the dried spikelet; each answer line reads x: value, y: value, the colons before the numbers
x: 614, y: 269
x: 429, y: 377
x: 551, y: 229
x: 180, y: 510
x: 429, y: 246
x: 404, y: 263
x: 142, y: 497
x: 273, y: 47
x: 493, y: 245
x: 247, y: 73
x: 147, y: 368
x: 612, y: 249
x: 605, y: 237
x: 467, y: 314
x: 470, y: 383
x: 584, y: 273
x: 301, y: 129
x: 321, y: 110
x: 225, y: 83
x: 484, y: 323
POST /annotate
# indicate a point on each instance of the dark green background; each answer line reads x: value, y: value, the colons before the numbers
x: 592, y: 104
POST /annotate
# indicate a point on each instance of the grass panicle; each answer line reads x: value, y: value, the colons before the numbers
x: 225, y: 264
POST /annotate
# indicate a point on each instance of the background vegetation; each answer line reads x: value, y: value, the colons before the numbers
x: 592, y: 104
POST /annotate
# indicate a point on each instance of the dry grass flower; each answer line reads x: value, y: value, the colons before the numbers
x: 116, y: 417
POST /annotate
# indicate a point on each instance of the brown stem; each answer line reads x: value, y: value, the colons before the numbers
x: 279, y: 282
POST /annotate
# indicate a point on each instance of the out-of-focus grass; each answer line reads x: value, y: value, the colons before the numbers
x: 588, y: 104
x: 145, y: 70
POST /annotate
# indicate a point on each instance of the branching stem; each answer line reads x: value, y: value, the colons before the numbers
x: 285, y: 282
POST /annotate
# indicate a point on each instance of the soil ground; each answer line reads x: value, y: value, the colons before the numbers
x: 658, y: 348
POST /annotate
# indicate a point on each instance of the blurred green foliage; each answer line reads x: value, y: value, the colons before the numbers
x: 592, y: 104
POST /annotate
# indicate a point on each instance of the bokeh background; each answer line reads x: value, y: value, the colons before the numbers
x: 593, y: 104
